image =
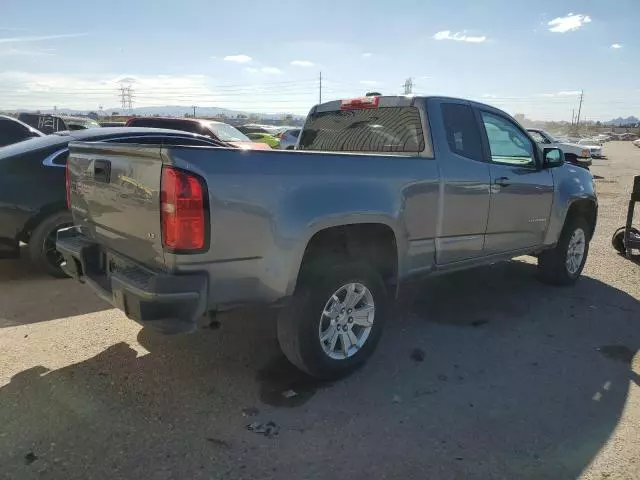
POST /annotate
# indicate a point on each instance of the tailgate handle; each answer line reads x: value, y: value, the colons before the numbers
x: 102, y: 171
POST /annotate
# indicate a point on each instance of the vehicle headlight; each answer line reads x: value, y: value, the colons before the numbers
x: 585, y: 153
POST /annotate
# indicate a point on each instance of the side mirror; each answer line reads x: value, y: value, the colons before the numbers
x: 553, y: 157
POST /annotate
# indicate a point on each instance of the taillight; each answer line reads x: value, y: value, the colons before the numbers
x: 182, y: 210
x: 67, y: 184
x: 359, y: 103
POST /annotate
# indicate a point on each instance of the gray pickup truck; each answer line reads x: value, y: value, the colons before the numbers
x: 379, y: 191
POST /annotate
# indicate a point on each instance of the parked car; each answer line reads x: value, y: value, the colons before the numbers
x: 266, y: 138
x: 636, y: 143
x: 13, y: 130
x: 573, y: 153
x: 594, y: 146
x: 113, y: 124
x: 289, y: 138
x: 438, y: 185
x: 54, y: 123
x: 32, y: 186
x: 218, y: 131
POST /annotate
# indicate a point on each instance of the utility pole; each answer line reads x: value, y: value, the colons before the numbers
x: 194, y: 111
x: 408, y: 86
x: 579, y: 109
x: 320, y: 89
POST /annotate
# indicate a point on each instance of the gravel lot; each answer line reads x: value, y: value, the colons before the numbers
x: 492, y: 376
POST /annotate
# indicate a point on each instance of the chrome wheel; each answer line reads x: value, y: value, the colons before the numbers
x: 575, y: 251
x: 346, y: 321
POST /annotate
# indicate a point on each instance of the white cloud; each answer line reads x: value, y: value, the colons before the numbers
x: 302, y: 63
x: 238, y: 58
x: 563, y: 93
x: 616, y: 46
x: 251, y: 70
x: 569, y: 23
x: 39, y: 38
x: 489, y: 95
x: 367, y: 54
x: 458, y: 37
x: 369, y: 82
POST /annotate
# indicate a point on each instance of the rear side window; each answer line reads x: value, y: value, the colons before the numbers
x: 12, y: 132
x: 388, y: 129
x: 463, y: 134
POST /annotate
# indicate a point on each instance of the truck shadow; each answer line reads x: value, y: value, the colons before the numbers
x: 29, y: 296
x: 493, y: 375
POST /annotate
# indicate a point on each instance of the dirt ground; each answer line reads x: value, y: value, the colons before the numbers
x: 492, y: 376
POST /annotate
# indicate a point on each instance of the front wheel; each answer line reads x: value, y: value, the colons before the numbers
x: 335, y: 319
x: 563, y: 264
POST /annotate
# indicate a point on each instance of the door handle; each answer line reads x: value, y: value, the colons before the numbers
x: 502, y: 181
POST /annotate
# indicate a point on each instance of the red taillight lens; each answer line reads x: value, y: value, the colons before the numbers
x: 182, y: 210
x: 359, y: 103
x: 67, y: 184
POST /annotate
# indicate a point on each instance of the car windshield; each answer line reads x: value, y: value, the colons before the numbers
x: 227, y: 133
x: 389, y: 129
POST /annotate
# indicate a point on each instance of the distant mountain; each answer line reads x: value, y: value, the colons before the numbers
x: 172, y: 111
x: 623, y: 121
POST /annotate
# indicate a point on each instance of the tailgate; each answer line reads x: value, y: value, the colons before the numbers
x: 114, y: 192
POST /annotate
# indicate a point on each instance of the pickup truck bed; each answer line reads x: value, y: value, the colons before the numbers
x: 169, y: 233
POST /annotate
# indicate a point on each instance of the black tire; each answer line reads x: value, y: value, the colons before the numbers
x: 617, y: 241
x: 299, y: 322
x: 552, y: 264
x: 41, y: 249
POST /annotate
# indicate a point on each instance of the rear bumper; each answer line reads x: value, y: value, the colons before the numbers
x: 170, y: 303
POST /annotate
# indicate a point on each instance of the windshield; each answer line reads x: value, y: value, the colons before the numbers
x: 390, y: 129
x: 227, y: 133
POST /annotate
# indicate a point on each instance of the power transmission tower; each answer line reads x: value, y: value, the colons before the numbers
x: 579, y: 109
x: 123, y: 96
x: 320, y: 89
x: 408, y: 86
x: 129, y: 97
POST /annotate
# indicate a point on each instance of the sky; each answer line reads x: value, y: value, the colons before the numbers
x: 522, y: 56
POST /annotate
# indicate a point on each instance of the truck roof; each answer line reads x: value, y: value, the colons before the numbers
x: 394, y: 101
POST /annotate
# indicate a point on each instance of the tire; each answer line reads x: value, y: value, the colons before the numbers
x: 617, y: 241
x: 40, y: 246
x: 553, y: 264
x: 302, y: 322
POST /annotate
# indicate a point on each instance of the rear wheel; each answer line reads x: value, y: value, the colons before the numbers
x: 563, y: 264
x: 335, y: 319
x: 42, y: 244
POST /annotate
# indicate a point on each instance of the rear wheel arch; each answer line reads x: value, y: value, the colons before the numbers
x: 375, y: 244
x: 38, y: 218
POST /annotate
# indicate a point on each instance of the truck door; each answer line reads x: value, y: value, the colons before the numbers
x: 465, y: 183
x: 521, y: 191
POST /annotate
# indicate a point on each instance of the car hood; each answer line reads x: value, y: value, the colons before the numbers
x: 251, y: 145
x: 576, y: 145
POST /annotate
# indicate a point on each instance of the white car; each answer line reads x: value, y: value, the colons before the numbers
x: 637, y: 143
x: 594, y: 146
x: 573, y: 153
